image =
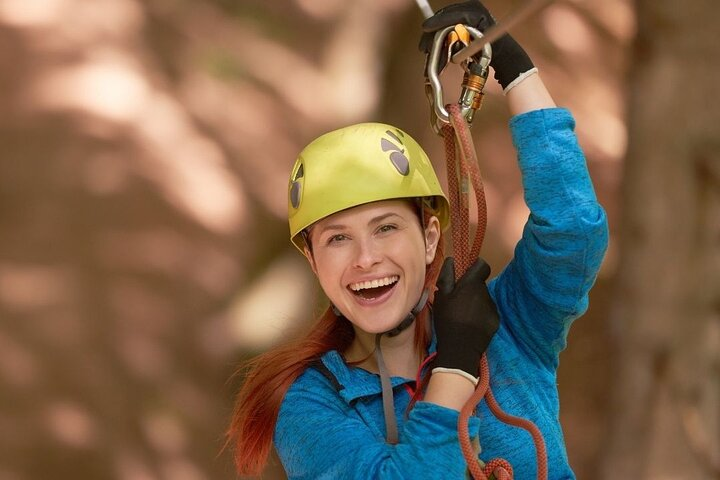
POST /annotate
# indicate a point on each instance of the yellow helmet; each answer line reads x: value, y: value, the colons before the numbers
x: 355, y: 165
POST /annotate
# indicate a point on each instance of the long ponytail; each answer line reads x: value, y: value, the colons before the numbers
x: 268, y: 379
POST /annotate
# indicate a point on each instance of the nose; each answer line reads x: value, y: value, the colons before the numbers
x: 367, y: 254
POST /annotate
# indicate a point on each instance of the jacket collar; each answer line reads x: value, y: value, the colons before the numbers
x: 357, y: 382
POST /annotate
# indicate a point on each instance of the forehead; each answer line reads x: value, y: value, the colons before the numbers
x: 363, y: 214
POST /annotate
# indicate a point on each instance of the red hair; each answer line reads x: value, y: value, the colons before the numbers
x: 271, y: 374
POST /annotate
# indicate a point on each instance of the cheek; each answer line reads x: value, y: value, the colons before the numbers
x: 330, y: 286
x: 416, y: 262
x: 329, y: 271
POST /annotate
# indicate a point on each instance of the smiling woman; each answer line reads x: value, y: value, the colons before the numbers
x: 371, y: 261
x: 367, y: 211
x: 374, y: 389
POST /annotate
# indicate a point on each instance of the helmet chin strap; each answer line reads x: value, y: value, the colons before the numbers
x: 406, y: 322
x: 410, y: 317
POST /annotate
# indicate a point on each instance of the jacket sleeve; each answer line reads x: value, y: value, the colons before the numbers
x: 545, y: 286
x: 320, y: 436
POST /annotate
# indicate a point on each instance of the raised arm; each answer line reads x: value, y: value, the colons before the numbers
x: 528, y: 95
x: 556, y: 261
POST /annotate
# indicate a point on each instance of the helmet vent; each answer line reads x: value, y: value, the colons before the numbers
x: 397, y: 157
x: 386, y: 145
x: 400, y: 161
x: 395, y: 137
x: 295, y: 194
x: 296, y: 186
x: 299, y: 173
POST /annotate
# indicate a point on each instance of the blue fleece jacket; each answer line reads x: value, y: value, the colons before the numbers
x: 332, y: 426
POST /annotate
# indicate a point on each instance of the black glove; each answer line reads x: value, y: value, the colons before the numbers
x: 509, y: 60
x: 465, y: 317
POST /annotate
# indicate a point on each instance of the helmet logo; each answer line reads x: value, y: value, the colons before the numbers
x: 296, y: 187
x: 397, y: 155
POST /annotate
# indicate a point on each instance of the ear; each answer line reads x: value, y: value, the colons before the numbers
x: 310, y: 259
x: 432, y: 237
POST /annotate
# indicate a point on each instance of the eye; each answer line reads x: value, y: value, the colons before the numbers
x: 387, y: 227
x: 336, y: 238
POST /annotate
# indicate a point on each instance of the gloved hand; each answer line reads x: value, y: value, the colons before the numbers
x: 509, y: 60
x: 465, y: 317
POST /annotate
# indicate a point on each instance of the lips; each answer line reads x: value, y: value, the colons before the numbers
x: 371, y: 290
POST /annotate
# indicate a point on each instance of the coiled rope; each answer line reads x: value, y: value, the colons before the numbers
x: 462, y: 172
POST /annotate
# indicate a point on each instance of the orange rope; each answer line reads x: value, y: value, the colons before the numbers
x: 457, y: 137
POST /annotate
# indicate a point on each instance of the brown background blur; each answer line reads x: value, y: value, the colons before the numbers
x: 144, y: 155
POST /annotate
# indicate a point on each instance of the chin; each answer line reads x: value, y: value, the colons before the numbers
x: 374, y: 328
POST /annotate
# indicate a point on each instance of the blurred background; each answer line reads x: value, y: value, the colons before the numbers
x: 144, y: 155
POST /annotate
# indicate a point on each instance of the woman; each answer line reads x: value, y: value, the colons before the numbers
x: 374, y: 390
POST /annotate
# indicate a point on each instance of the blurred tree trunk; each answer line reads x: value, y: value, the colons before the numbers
x: 666, y: 414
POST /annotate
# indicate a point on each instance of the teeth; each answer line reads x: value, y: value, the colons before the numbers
x: 381, y: 282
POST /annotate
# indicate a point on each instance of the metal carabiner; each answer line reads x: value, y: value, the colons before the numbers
x: 476, y: 73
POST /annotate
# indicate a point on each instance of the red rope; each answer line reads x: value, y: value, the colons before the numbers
x: 457, y: 137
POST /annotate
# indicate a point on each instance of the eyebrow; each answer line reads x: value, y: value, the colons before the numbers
x: 372, y: 221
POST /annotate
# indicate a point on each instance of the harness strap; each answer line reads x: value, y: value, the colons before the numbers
x: 388, y: 398
x: 320, y: 366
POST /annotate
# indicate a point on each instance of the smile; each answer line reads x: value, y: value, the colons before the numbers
x: 372, y: 289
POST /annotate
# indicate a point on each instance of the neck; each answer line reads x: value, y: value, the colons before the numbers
x: 401, y: 357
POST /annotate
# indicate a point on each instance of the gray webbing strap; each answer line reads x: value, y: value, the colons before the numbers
x: 387, y: 391
x: 387, y: 395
